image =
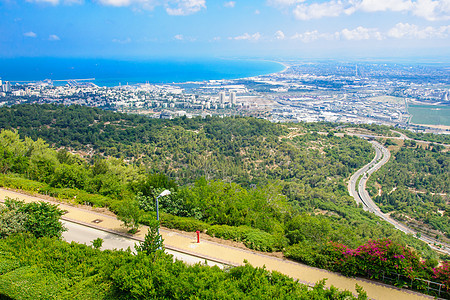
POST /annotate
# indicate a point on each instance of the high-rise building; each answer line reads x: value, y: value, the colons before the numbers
x: 233, y: 98
x: 6, y: 87
x: 222, y: 96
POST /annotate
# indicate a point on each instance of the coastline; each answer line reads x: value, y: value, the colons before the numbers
x: 440, y: 127
x: 286, y: 67
x: 114, y: 73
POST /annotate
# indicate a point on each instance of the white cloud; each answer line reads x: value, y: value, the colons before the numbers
x: 246, y: 36
x: 73, y: 2
x: 360, y: 33
x: 384, y: 5
x: 284, y: 2
x: 230, y: 4
x: 116, y: 3
x: 311, y: 36
x: 431, y: 10
x: 279, y: 35
x: 135, y: 4
x: 257, y: 12
x: 184, y: 7
x: 426, y: 9
x: 307, y: 37
x: 172, y: 7
x: 53, y: 37
x: 411, y: 31
x: 180, y: 37
x: 256, y: 36
x: 119, y: 41
x: 52, y: 2
x: 56, y: 2
x: 30, y: 34
x: 319, y: 10
x: 402, y: 30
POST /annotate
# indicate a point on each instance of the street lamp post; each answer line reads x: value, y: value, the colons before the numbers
x: 164, y: 193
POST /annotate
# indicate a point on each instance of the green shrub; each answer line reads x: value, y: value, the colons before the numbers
x: 93, y: 287
x: 227, y: 232
x: 16, y: 182
x: 147, y: 218
x: 8, y: 265
x: 311, y: 254
x: 252, y: 238
x: 77, y: 196
x: 92, y: 199
x: 31, y: 282
x: 55, y: 269
x: 186, y: 224
x: 262, y: 241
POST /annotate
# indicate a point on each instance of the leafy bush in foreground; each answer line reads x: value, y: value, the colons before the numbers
x: 52, y: 269
x: 38, y: 218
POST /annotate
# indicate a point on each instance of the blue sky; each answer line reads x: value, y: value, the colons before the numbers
x: 239, y: 28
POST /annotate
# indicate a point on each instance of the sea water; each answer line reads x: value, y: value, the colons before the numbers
x: 109, y: 72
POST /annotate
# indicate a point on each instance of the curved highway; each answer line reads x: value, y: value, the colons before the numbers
x: 358, y: 191
x: 354, y: 179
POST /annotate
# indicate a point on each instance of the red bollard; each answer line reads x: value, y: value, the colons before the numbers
x: 198, y: 236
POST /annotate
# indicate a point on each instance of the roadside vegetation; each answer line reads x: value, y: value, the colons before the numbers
x: 429, y: 137
x: 273, y: 187
x: 36, y: 264
x: 414, y: 187
x: 48, y: 268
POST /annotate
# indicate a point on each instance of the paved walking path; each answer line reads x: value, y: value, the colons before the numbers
x: 227, y: 254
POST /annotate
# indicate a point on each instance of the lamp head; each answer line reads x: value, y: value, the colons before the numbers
x: 164, y: 193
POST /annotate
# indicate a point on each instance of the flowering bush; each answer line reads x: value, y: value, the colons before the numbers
x: 375, y: 258
x: 442, y: 274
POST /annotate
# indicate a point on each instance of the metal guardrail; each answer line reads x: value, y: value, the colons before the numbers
x: 418, y: 284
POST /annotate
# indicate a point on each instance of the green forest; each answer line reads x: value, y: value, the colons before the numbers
x: 274, y: 187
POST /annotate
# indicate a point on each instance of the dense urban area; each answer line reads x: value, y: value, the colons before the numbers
x: 358, y: 93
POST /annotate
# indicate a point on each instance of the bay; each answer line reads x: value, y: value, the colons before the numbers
x: 109, y: 72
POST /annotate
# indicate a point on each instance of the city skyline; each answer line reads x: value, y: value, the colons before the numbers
x: 187, y: 28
